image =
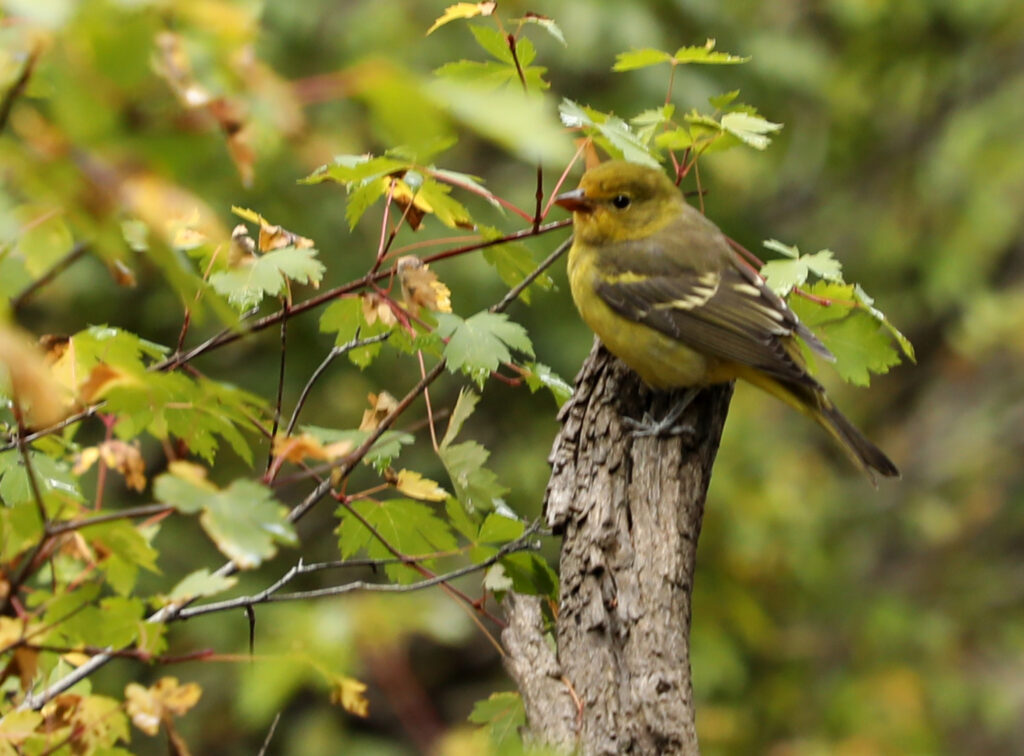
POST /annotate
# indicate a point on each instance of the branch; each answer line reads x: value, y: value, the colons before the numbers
x: 630, y: 510
x: 525, y: 542
x: 56, y: 269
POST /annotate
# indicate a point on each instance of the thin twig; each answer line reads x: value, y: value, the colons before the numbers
x: 270, y: 735
x: 12, y: 94
x: 56, y: 269
x: 269, y: 595
x: 336, y: 352
x: 280, y: 384
x: 518, y: 289
x: 146, y: 510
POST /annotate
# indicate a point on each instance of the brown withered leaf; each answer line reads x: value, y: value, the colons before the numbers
x: 381, y: 406
x: 421, y: 288
x: 117, y: 455
x: 414, y: 206
x: 148, y: 707
x: 302, y: 447
x: 376, y: 307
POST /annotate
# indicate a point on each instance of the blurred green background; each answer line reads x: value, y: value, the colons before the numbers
x: 829, y: 617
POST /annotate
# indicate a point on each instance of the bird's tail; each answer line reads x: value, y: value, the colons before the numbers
x: 812, y: 401
x: 865, y: 454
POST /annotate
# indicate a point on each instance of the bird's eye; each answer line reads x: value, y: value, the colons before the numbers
x: 620, y: 201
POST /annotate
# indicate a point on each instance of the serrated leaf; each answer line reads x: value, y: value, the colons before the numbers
x: 675, y: 139
x: 783, y: 249
x: 460, y: 518
x: 493, y: 42
x: 503, y: 715
x: 634, y: 59
x: 463, y: 10
x: 465, y: 405
x: 489, y: 74
x: 476, y: 486
x: 513, y: 262
x: 345, y: 318
x: 782, y: 276
x: 478, y: 345
x: 415, y: 486
x: 410, y: 526
x: 266, y: 275
x: 750, y: 129
x: 531, y: 574
x: 869, y: 303
x: 497, y: 528
x: 540, y: 375
x: 611, y: 131
x: 705, y: 54
x: 720, y: 102
x: 200, y: 583
x: 244, y: 520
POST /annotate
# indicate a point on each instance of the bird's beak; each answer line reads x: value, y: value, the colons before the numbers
x: 576, y: 201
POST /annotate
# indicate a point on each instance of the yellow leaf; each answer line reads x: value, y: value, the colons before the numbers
x: 193, y: 473
x: 17, y: 726
x: 117, y: 455
x: 148, y: 707
x: 420, y: 287
x: 380, y: 407
x: 32, y: 383
x: 305, y: 446
x: 348, y: 693
x: 416, y: 486
x: 376, y: 307
x: 463, y: 10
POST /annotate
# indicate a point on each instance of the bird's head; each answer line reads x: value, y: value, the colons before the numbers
x: 620, y: 201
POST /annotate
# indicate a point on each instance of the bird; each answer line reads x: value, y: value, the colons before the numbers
x: 664, y: 291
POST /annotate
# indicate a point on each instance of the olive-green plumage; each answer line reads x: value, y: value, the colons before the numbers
x: 664, y: 291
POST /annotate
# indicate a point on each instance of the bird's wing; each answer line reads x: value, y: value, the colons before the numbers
x: 705, y: 298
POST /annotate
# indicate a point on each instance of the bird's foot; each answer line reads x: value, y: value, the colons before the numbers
x: 648, y: 426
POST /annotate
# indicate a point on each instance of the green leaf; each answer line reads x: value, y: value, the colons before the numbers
x: 749, y: 129
x: 461, y: 519
x: 705, y: 55
x: 720, y: 102
x: 465, y: 405
x: 675, y: 139
x: 503, y: 715
x: 610, y: 131
x: 539, y: 375
x: 783, y: 249
x: 244, y: 520
x: 858, y: 340
x: 869, y: 303
x: 345, y: 318
x: 531, y: 574
x: 263, y: 275
x: 477, y: 346
x: 45, y: 239
x: 488, y: 74
x: 494, y: 43
x: 514, y: 262
x: 448, y: 210
x: 521, y: 124
x: 629, y: 61
x: 410, y: 526
x: 497, y: 528
x: 127, y: 550
x: 199, y: 584
x: 476, y: 486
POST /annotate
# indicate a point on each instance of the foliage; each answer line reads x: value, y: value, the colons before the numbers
x: 195, y: 413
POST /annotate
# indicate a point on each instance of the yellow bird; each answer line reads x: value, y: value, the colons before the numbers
x: 666, y: 294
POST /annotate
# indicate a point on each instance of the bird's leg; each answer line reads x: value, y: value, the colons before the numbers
x: 666, y: 426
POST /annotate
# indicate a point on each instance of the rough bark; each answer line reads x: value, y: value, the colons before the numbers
x: 630, y: 511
